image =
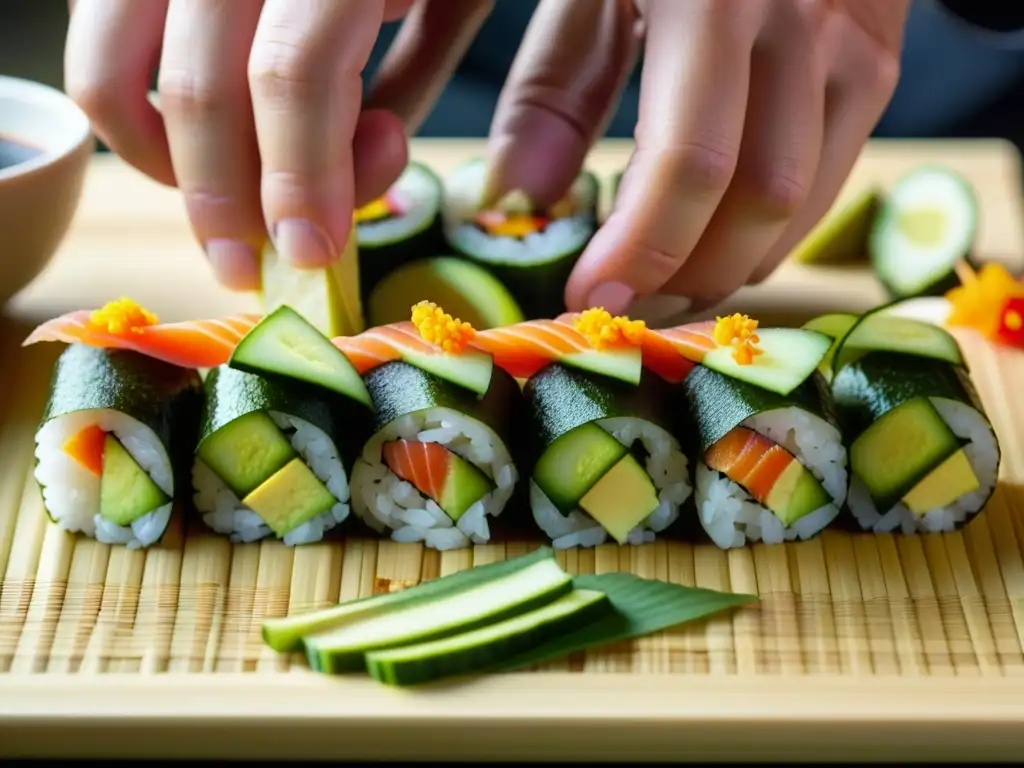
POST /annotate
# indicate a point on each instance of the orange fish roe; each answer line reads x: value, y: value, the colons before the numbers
x: 739, y: 331
x: 602, y: 330
x: 438, y: 327
x: 122, y: 317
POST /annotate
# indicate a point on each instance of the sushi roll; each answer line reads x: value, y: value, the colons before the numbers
x: 402, y: 225
x: 440, y: 463
x: 282, y: 423
x: 114, y: 443
x: 608, y: 461
x: 923, y: 454
x: 771, y: 465
x: 531, y: 251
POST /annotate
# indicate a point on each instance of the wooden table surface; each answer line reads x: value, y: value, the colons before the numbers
x: 131, y: 237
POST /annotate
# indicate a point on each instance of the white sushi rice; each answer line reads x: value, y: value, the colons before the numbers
x: 562, y: 236
x: 224, y: 512
x: 417, y: 193
x: 386, y: 502
x: 982, y: 452
x: 667, y: 467
x: 71, y: 492
x: 731, y: 517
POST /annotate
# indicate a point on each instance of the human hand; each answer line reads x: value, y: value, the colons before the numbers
x: 261, y: 122
x: 752, y: 114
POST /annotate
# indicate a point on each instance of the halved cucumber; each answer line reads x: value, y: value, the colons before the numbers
x: 466, y: 290
x: 286, y: 344
x: 342, y: 649
x: 790, y: 356
x: 328, y: 298
x: 877, y: 331
x: 923, y: 229
x: 483, y: 648
x: 842, y: 236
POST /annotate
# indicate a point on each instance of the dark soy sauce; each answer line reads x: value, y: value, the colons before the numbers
x: 15, y: 152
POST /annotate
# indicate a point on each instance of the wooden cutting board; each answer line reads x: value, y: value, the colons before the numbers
x: 883, y: 647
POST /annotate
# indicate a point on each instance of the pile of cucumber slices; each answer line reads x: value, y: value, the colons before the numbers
x: 507, y: 615
x: 913, y: 236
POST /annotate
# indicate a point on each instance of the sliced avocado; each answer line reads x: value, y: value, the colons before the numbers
x: 126, y: 491
x: 945, y: 484
x: 789, y: 356
x: 290, y: 497
x: 464, y: 485
x: 622, y: 499
x: 327, y: 298
x: 284, y: 343
x: 795, y: 494
x: 842, y: 236
x: 466, y: 290
x: 245, y: 452
x: 574, y: 462
x: 900, y: 449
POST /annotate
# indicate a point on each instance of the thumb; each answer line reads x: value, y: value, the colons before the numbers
x: 558, y: 96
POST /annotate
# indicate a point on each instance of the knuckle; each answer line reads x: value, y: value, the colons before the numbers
x: 707, y: 164
x: 186, y: 90
x: 281, y: 70
x: 98, y: 98
x: 783, y: 190
x: 885, y: 74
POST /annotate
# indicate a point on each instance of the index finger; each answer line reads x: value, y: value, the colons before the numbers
x: 693, y: 102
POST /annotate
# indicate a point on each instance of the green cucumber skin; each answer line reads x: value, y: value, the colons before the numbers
x: 330, y: 663
x: 377, y: 261
x: 867, y: 389
x: 473, y: 660
x: 231, y: 393
x: 166, y: 398
x: 718, y: 404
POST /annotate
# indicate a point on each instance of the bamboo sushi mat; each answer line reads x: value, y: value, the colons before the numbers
x: 925, y: 605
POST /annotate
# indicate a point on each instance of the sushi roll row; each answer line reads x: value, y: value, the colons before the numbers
x: 428, y: 430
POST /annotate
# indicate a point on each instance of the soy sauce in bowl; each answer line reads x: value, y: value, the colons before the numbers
x: 15, y: 152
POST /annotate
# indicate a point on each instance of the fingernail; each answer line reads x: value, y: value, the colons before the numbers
x: 235, y: 264
x: 304, y: 244
x: 614, y: 297
x: 659, y: 310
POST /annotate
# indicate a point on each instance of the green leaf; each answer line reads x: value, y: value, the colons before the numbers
x: 285, y: 634
x: 641, y: 607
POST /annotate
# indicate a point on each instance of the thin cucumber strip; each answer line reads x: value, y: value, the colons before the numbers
x: 285, y: 634
x: 788, y: 357
x: 474, y: 651
x: 342, y: 649
x: 881, y: 331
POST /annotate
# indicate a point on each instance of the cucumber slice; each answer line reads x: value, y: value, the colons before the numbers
x: 622, y: 363
x: 842, y: 236
x: 877, y: 331
x: 480, y: 649
x: 574, y: 463
x: 285, y: 634
x: 835, y: 326
x: 342, y: 649
x: 286, y: 344
x: 924, y: 228
x: 464, y: 289
x: 126, y: 491
x: 790, y: 356
x: 470, y: 368
x: 328, y: 298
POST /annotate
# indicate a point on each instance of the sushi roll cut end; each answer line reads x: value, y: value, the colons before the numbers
x: 927, y: 465
x: 778, y: 476
x: 105, y: 474
x: 410, y: 206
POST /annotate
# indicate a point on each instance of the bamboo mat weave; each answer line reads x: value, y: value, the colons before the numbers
x: 927, y: 605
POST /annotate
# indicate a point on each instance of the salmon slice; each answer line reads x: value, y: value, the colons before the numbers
x: 661, y: 356
x: 750, y: 460
x: 189, y: 344
x: 385, y: 344
x: 86, y: 447
x: 693, y: 340
x: 524, y: 348
x: 424, y: 465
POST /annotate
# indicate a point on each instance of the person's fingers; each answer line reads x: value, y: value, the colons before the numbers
x: 854, y: 105
x: 562, y: 86
x: 692, y: 105
x: 429, y: 46
x: 379, y: 153
x: 305, y: 79
x: 778, y: 158
x: 204, y: 98
x: 111, y: 53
